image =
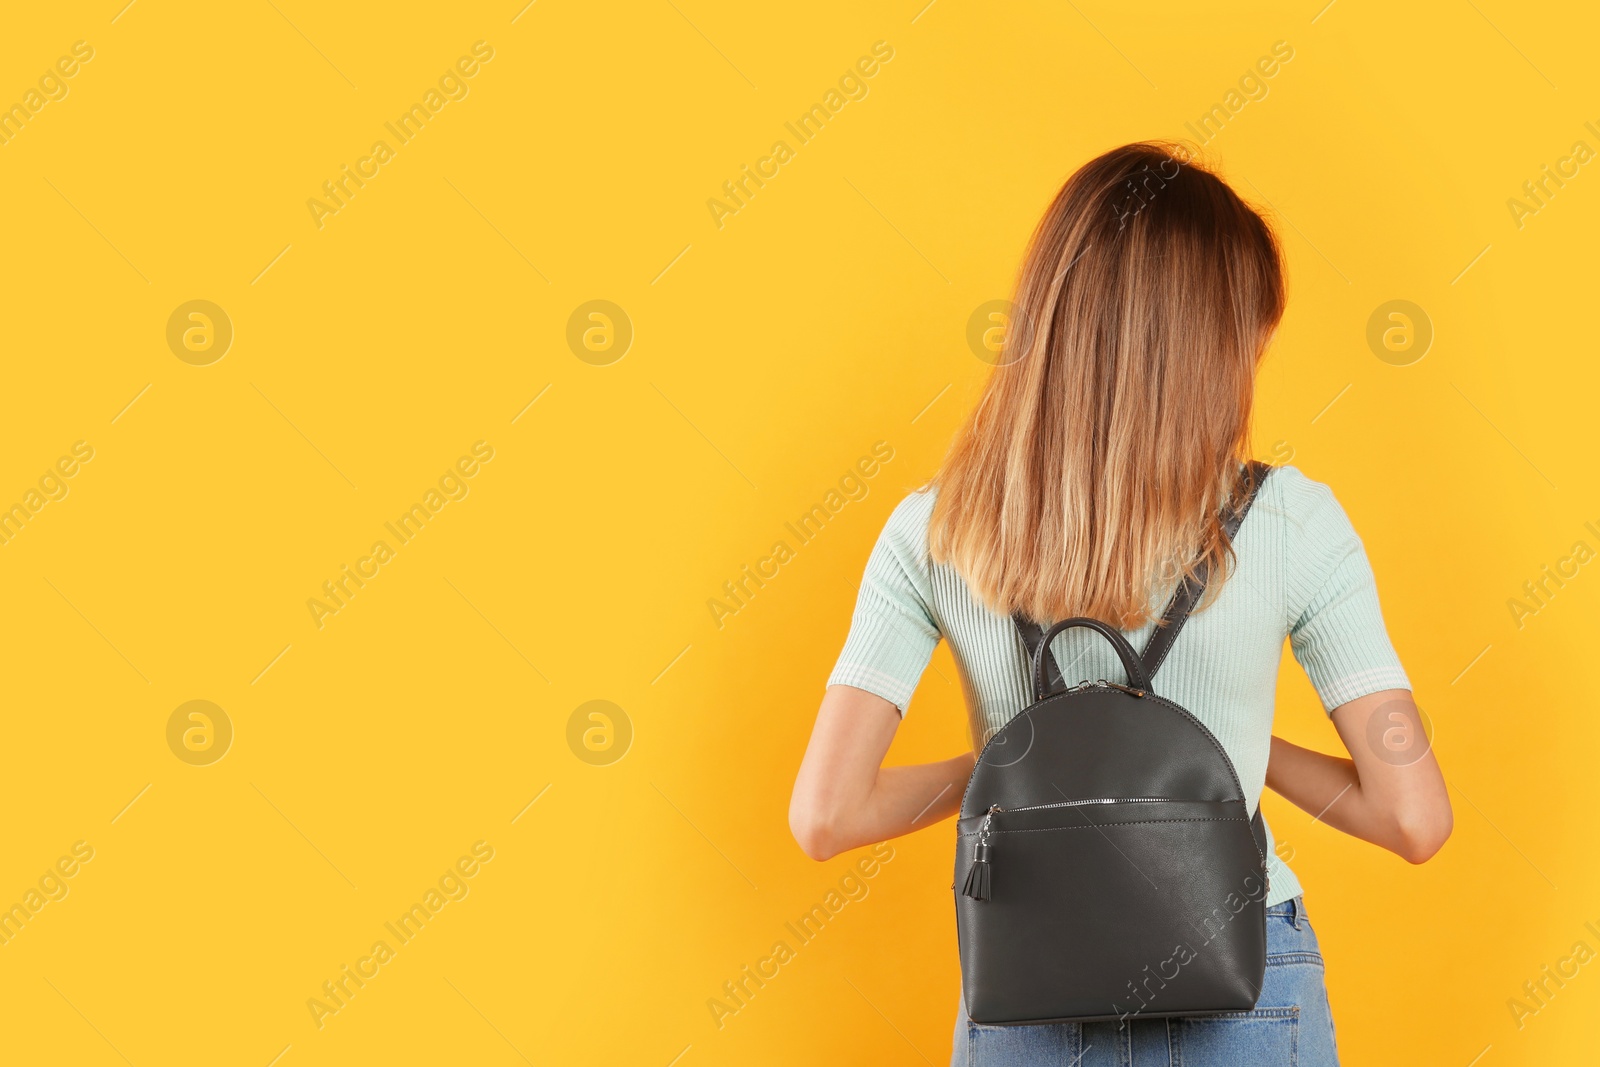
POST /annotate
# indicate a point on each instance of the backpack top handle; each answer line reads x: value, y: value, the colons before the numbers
x: 1042, y: 687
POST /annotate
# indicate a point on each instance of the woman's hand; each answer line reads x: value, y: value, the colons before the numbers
x: 844, y: 797
x: 1390, y: 793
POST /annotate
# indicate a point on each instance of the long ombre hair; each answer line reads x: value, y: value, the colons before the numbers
x: 1092, y: 473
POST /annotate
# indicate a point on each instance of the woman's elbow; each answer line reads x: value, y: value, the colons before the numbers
x: 1423, y: 833
x: 813, y: 830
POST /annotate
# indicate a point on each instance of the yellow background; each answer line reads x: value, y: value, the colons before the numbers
x: 769, y: 355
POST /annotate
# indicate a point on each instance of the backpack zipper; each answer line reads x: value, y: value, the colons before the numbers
x: 980, y: 874
x: 1101, y: 683
x: 1075, y: 804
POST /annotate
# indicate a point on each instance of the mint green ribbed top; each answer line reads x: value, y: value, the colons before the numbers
x: 1301, y: 573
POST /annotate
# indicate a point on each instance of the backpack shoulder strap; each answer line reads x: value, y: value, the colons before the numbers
x: 1032, y: 633
x: 1188, y: 595
x: 1192, y: 588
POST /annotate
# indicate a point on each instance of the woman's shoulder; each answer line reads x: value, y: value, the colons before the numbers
x: 900, y: 558
x: 1305, y: 503
x: 1316, y: 535
x: 914, y: 510
x: 906, y: 529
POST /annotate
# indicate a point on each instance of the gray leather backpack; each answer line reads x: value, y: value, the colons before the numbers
x: 1107, y: 863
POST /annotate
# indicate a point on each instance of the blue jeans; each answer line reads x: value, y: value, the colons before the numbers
x: 1291, y: 1025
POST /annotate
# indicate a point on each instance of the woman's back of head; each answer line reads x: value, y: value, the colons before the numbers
x: 1092, y: 472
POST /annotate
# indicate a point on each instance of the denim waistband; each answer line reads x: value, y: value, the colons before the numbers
x: 1294, y: 909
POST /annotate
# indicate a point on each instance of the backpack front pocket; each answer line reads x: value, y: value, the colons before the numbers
x: 1114, y: 907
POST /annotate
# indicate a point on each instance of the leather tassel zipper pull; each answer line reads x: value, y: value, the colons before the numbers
x: 977, y: 884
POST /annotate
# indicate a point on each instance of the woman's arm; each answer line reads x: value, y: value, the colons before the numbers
x: 844, y: 797
x: 1390, y: 792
